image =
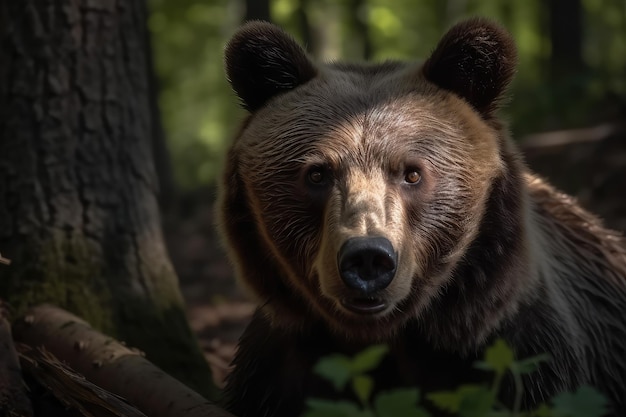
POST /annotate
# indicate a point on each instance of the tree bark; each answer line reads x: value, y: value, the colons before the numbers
x: 78, y: 210
x: 167, y: 191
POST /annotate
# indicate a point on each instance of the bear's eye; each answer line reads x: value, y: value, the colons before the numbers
x: 316, y: 176
x: 412, y: 176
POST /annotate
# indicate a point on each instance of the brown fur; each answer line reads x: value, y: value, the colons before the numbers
x: 485, y: 249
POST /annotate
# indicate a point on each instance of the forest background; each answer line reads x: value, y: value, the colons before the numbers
x: 572, y: 59
x: 87, y: 128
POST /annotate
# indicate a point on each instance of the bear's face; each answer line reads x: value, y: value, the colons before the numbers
x: 363, y: 186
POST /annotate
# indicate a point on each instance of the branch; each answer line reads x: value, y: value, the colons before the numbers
x: 110, y: 365
x: 71, y: 388
x: 4, y: 261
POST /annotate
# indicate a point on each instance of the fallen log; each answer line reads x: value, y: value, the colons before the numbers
x: 70, y: 388
x: 110, y: 365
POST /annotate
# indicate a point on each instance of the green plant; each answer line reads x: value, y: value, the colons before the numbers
x: 466, y: 401
x: 341, y: 370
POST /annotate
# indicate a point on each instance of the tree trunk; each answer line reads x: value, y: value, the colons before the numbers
x: 167, y: 191
x: 308, y: 33
x: 78, y: 210
x: 359, y: 28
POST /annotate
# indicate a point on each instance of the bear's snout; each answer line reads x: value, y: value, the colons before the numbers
x: 367, y: 264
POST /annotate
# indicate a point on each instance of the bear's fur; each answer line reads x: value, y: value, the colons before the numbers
x: 416, y: 154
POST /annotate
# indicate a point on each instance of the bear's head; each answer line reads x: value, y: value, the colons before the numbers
x: 355, y: 195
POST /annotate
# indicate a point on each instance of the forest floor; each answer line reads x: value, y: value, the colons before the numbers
x: 217, y: 309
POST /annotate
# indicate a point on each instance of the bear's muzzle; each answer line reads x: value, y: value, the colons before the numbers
x: 367, y: 265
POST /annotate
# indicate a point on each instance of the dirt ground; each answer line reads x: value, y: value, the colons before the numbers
x: 217, y: 309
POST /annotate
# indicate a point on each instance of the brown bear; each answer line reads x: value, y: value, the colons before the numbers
x: 386, y: 203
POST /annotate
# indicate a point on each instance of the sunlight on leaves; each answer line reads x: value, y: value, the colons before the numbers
x: 385, y: 19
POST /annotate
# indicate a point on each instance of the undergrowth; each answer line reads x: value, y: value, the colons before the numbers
x: 470, y: 400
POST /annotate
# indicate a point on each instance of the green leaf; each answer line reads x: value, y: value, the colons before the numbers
x: 326, y: 408
x: 585, y: 402
x: 499, y: 356
x: 336, y: 369
x: 368, y: 359
x: 483, y: 366
x: 445, y: 400
x: 542, y: 411
x: 467, y: 400
x: 476, y: 403
x: 363, y: 386
x: 529, y: 365
x: 400, y: 402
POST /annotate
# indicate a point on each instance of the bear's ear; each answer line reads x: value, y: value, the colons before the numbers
x: 262, y: 61
x: 476, y: 60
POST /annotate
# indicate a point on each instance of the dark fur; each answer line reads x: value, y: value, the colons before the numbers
x: 539, y: 272
x: 477, y: 61
x: 284, y: 64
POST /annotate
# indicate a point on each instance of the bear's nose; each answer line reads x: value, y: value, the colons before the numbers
x: 367, y: 264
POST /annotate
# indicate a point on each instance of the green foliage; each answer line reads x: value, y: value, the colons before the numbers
x: 363, y: 385
x: 339, y: 369
x: 336, y: 369
x: 199, y: 111
x: 528, y: 365
x: 368, y: 359
x: 322, y: 408
x: 466, y: 401
x: 400, y: 402
x: 201, y: 114
x: 585, y: 402
x: 499, y: 357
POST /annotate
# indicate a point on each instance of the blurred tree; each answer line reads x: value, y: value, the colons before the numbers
x: 309, y: 38
x: 78, y: 209
x: 566, y: 35
x: 200, y: 112
x: 357, y: 12
x: 454, y: 9
x: 257, y: 10
x: 198, y: 108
